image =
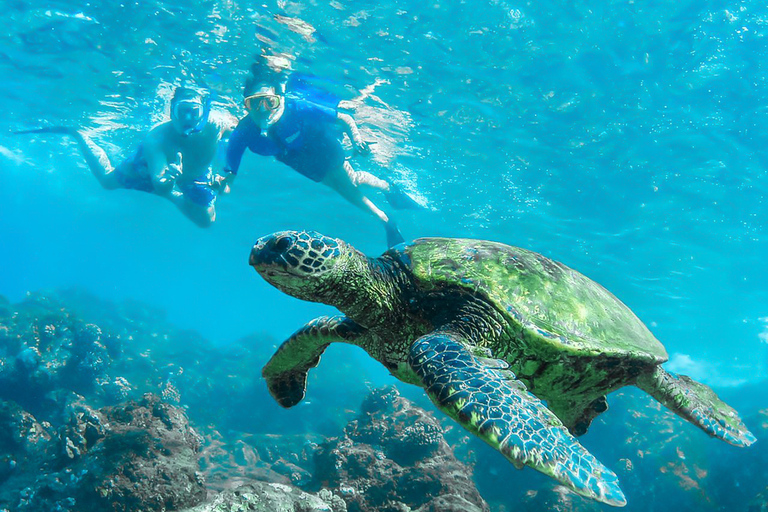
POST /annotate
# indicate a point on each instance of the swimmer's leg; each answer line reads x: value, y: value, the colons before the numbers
x: 96, y: 158
x: 365, y: 178
x: 196, y: 200
x: 202, y: 216
x: 396, y: 196
x: 98, y: 161
x: 339, y: 180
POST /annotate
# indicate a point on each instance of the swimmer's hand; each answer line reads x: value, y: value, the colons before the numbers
x: 220, y: 183
x: 362, y: 147
x: 171, y: 172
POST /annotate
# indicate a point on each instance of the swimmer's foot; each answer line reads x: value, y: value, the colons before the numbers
x: 64, y: 130
x: 400, y: 200
x: 393, y: 234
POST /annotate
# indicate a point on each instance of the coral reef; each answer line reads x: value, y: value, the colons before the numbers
x: 245, y: 458
x: 98, y: 400
x: 141, y: 455
x: 271, y: 497
x: 760, y: 503
x: 107, y: 352
x: 556, y: 499
x: 393, y: 458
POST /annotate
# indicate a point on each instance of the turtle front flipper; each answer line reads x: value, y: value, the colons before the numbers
x: 286, y: 372
x: 487, y: 400
x: 697, y: 403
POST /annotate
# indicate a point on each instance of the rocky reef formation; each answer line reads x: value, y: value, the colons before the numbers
x: 271, y: 497
x: 394, y: 458
x: 98, y: 402
x: 109, y: 353
x: 141, y: 455
x: 760, y: 503
x: 556, y: 498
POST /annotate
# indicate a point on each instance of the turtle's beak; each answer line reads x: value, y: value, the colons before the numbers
x: 299, y: 263
x: 295, y: 261
x: 270, y: 251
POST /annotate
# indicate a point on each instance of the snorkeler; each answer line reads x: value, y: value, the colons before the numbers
x: 173, y: 161
x: 306, y: 136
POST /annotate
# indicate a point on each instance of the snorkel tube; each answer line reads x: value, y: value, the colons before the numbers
x: 206, y: 112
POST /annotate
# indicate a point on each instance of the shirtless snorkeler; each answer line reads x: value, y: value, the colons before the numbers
x: 173, y: 161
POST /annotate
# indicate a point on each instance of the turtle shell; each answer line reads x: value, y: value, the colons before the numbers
x: 551, y: 301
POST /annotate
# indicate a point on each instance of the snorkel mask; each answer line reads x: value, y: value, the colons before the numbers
x: 190, y: 110
x: 265, y: 107
x: 263, y: 101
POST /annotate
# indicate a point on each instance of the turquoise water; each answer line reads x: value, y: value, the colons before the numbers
x: 625, y: 139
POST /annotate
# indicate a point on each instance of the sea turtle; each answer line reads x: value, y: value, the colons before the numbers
x: 517, y: 348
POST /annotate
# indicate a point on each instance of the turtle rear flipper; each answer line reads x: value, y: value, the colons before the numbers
x: 698, y: 404
x: 286, y: 372
x: 496, y: 407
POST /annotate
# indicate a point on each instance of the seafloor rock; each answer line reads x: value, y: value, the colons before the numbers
x: 22, y: 439
x: 44, y: 348
x: 137, y: 456
x: 57, y: 341
x: 557, y: 499
x: 238, y: 458
x: 393, y: 458
x: 271, y: 497
x: 760, y: 503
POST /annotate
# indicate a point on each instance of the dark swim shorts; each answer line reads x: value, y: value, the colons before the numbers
x: 133, y: 173
x: 200, y: 191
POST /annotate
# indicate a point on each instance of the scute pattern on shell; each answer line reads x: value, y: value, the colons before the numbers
x: 561, y: 306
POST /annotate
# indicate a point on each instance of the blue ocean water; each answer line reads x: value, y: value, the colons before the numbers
x: 624, y: 138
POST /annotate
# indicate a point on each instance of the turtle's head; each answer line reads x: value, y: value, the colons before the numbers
x: 305, y: 264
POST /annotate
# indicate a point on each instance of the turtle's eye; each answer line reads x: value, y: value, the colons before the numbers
x: 282, y: 244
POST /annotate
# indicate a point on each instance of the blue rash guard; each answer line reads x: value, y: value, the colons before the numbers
x: 307, y: 138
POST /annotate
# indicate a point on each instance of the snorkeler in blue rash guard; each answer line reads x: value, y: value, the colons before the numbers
x: 173, y: 161
x: 306, y: 136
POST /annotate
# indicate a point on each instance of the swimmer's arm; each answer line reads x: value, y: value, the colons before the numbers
x: 225, y: 124
x: 350, y: 128
x: 228, y: 126
x: 235, y: 151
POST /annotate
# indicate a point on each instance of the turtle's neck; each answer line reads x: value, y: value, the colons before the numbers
x: 377, y: 295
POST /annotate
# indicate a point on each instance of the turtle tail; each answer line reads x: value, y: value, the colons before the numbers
x: 698, y: 404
